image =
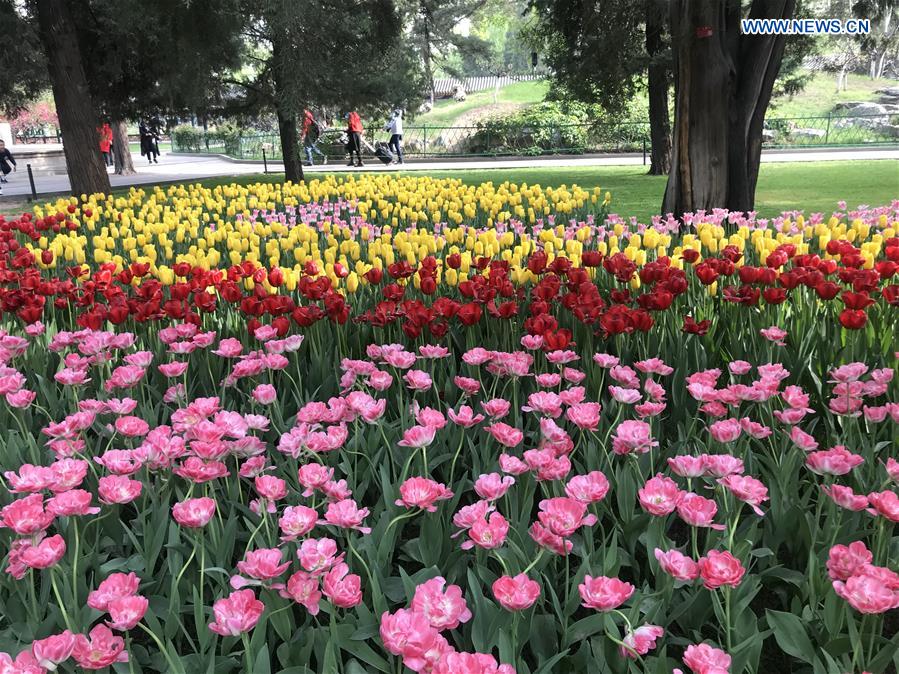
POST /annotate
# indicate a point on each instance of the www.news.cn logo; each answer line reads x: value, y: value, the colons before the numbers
x: 805, y: 26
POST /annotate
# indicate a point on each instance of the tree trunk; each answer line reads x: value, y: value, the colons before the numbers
x: 121, y: 150
x: 77, y: 115
x: 426, y: 49
x: 290, y: 149
x: 723, y: 86
x: 659, y: 124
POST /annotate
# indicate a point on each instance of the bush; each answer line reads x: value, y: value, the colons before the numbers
x: 542, y: 128
x: 187, y: 138
x: 229, y: 135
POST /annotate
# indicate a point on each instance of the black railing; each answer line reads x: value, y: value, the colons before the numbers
x: 493, y: 138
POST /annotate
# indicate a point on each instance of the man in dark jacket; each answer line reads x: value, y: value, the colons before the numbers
x: 6, y: 159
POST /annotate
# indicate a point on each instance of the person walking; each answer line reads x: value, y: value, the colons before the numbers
x: 311, y: 133
x: 6, y: 159
x: 395, y: 127
x: 105, y: 132
x: 149, y: 148
x: 354, y: 132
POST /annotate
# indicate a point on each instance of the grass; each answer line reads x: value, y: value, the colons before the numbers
x: 446, y: 112
x: 820, y: 95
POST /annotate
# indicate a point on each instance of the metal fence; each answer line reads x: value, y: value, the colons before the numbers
x: 493, y: 138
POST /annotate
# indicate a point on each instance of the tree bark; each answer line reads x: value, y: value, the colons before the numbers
x: 659, y: 124
x: 723, y: 86
x: 77, y: 116
x: 121, y: 150
x: 290, y: 148
x: 426, y: 49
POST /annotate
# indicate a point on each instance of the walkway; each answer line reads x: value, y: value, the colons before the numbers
x: 187, y: 168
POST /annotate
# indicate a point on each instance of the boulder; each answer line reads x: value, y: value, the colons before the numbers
x: 808, y: 133
x: 769, y: 135
x: 892, y: 92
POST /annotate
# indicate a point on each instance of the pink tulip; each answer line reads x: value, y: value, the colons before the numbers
x: 303, y: 589
x: 659, y: 496
x: 487, y: 533
x: 418, y: 436
x: 44, y: 554
x: 496, y: 408
x: 698, y: 511
x: 465, y: 417
x: 687, y: 466
x: 493, y: 486
x: 747, y: 489
x: 802, y: 439
x: 720, y: 568
x: 603, y: 593
x: 835, y: 461
x: 116, y: 585
x: 845, y: 561
x: 53, y: 650
x: 126, y: 612
x: 118, y: 489
x: 100, y: 650
x: 342, y: 587
x: 417, y: 380
x: 422, y: 492
x: 886, y: 504
x: 584, y: 415
x: 589, y: 488
x: 236, y: 614
x: 704, y: 659
x: 504, y: 434
x: 26, y: 516
x: 726, y: 430
x: 845, y: 498
x: 468, y: 385
x: 347, y: 515
x: 640, y: 641
x: 563, y: 516
x: 633, y: 436
x: 516, y: 593
x: 297, y: 521
x: 265, y: 394
x: 677, y: 565
x: 444, y: 609
x: 870, y: 591
x: 194, y: 513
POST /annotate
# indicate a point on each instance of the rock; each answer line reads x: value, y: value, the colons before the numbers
x: 892, y: 92
x: 808, y: 133
x: 768, y: 135
x: 889, y: 130
x: 868, y: 108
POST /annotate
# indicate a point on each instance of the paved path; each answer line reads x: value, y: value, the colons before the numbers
x: 184, y: 168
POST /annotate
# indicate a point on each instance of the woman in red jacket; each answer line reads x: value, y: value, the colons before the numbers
x: 354, y: 132
x: 105, y: 132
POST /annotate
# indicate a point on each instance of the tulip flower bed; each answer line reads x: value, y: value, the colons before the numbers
x: 408, y: 425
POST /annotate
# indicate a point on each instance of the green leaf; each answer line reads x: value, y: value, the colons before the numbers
x: 791, y: 635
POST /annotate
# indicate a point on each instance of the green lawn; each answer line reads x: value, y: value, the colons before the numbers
x: 809, y: 186
x: 820, y: 95
x: 447, y: 111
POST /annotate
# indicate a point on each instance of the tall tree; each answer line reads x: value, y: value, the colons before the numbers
x: 320, y: 54
x: 74, y: 104
x: 604, y: 51
x: 723, y: 84
x: 435, y: 28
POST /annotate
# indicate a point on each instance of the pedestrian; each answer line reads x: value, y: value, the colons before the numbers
x: 105, y: 132
x: 149, y: 147
x: 395, y: 127
x: 354, y: 132
x: 6, y: 159
x: 311, y: 133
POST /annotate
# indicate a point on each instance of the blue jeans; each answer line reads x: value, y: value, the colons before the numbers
x: 310, y: 148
